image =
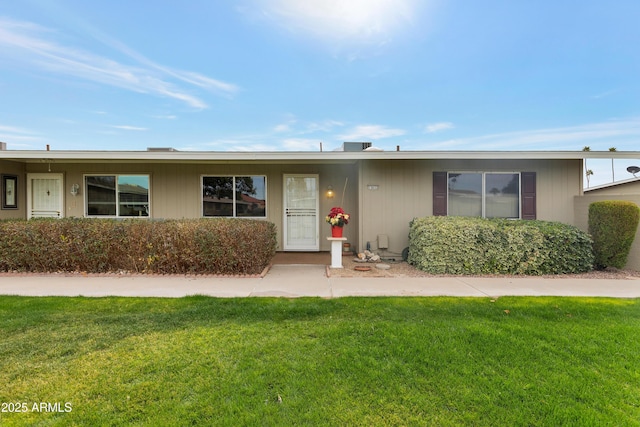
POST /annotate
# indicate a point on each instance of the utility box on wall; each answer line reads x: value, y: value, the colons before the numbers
x: 383, y: 241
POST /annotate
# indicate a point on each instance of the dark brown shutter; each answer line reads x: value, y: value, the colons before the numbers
x: 439, y: 193
x: 528, y: 194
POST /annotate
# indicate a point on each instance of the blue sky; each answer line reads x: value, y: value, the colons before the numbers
x: 289, y: 74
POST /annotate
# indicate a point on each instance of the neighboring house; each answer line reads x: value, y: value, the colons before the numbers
x: 628, y: 190
x: 382, y: 190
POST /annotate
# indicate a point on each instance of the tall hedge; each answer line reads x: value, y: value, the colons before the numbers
x: 203, y: 246
x: 612, y: 225
x: 460, y: 245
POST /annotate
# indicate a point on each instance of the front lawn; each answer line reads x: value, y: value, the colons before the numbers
x: 350, y: 361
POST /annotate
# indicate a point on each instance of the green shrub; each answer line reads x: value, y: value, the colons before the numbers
x: 566, y: 249
x: 612, y: 225
x: 460, y: 245
x: 206, y: 246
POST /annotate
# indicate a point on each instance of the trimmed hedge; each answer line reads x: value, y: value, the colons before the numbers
x: 203, y: 246
x: 461, y: 245
x: 612, y: 225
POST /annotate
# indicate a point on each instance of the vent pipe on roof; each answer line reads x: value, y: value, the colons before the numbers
x: 3, y: 146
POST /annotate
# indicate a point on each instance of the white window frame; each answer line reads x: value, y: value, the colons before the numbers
x: 234, y: 204
x: 484, y: 195
x: 117, y: 202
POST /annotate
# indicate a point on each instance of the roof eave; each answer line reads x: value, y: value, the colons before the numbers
x: 296, y: 156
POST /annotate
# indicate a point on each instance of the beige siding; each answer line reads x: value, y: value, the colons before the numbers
x: 392, y: 194
x: 628, y: 188
x: 582, y: 220
x: 405, y: 191
x: 176, y: 188
x: 17, y: 169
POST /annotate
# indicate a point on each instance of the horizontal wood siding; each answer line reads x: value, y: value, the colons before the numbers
x: 406, y: 191
x: 382, y: 196
x: 176, y: 188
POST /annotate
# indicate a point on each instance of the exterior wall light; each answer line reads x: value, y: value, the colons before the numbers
x: 330, y: 192
x: 75, y: 189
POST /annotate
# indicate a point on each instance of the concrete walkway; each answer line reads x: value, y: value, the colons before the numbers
x: 311, y: 281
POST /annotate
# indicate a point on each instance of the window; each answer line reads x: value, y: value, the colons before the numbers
x: 9, y: 192
x: 117, y: 195
x: 486, y: 194
x: 489, y: 194
x: 502, y: 195
x: 234, y: 196
x: 465, y: 194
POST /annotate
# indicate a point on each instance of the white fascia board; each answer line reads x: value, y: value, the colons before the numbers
x: 295, y: 156
x: 612, y: 184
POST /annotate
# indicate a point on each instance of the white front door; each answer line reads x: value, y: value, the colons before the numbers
x: 44, y: 195
x: 301, y: 213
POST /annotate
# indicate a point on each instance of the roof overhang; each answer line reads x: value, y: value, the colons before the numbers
x: 634, y: 180
x: 39, y: 156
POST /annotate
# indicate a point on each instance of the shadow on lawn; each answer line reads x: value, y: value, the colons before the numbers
x: 126, y: 316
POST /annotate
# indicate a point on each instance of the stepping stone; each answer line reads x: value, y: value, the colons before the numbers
x: 383, y: 266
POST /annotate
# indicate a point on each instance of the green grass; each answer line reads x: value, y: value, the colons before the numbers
x: 350, y: 361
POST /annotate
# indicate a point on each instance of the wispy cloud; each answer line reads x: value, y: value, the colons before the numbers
x: 370, y: 133
x: 623, y: 134
x: 14, y: 133
x: 296, y: 127
x: 605, y: 94
x: 244, y: 142
x: 437, y: 127
x: 33, y: 45
x: 301, y: 144
x: 323, y: 126
x: 291, y: 134
x: 12, y: 129
x: 339, y: 22
x: 283, y: 127
x: 126, y: 127
x: 264, y: 142
x: 202, y: 81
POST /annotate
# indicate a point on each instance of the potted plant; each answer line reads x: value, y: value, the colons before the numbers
x: 338, y: 219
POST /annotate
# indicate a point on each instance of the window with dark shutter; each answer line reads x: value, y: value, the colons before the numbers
x: 499, y: 198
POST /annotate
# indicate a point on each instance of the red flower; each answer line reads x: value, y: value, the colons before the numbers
x: 338, y: 217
